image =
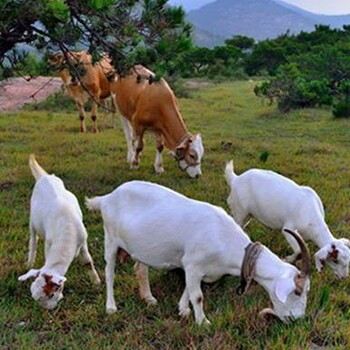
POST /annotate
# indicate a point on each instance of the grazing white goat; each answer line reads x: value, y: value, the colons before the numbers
x: 161, y: 228
x: 280, y: 203
x: 55, y: 215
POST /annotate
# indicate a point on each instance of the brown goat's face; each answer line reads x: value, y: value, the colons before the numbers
x: 189, y: 155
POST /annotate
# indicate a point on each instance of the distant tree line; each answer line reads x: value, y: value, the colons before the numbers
x: 309, y: 69
x: 305, y: 70
x: 299, y: 70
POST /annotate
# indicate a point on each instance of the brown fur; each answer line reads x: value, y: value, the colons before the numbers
x: 88, y: 265
x: 150, y: 106
x: 122, y: 255
x: 333, y: 254
x: 299, y: 284
x: 50, y: 287
x: 95, y: 85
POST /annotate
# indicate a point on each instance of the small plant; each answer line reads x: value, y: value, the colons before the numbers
x: 264, y: 155
x: 341, y: 109
x: 57, y: 102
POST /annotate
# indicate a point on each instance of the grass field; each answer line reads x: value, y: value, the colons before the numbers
x: 308, y: 146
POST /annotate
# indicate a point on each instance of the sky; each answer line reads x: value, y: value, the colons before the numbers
x: 327, y: 7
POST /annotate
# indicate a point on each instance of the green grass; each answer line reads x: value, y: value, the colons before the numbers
x: 307, y: 146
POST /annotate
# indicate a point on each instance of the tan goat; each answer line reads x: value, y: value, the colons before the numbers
x: 94, y: 84
x: 151, y: 105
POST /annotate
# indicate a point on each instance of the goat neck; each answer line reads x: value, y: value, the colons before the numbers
x: 322, y: 235
x: 174, y: 130
x: 61, y: 255
x: 65, y: 76
x: 269, y: 267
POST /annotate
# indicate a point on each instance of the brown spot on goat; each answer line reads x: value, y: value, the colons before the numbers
x: 299, y: 284
x: 333, y: 254
x: 122, y: 255
x: 88, y: 265
x: 50, y: 287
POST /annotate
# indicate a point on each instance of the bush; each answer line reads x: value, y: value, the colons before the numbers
x: 341, y: 110
x: 57, y: 102
x: 291, y: 90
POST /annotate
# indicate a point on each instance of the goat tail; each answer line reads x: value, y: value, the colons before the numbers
x: 35, y: 168
x: 93, y: 204
x: 229, y: 172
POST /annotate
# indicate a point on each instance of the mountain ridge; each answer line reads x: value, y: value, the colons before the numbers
x: 259, y: 19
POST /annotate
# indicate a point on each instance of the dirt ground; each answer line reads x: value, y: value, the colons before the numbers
x: 15, y: 92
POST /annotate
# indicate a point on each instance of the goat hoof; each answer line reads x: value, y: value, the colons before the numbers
x: 160, y: 170
x: 111, y: 310
x: 185, y: 313
x: 151, y: 301
x: 205, y: 322
x: 96, y: 281
x: 134, y: 165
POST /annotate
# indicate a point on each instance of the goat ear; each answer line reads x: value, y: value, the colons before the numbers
x: 345, y: 241
x: 54, y: 278
x: 180, y: 151
x: 283, y: 287
x: 31, y: 273
x: 320, y: 258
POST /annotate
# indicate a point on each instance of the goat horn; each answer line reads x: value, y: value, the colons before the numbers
x: 305, y: 269
x: 267, y: 311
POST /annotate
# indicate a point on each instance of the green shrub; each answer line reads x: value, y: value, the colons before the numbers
x: 57, y: 102
x: 291, y: 90
x: 341, y: 110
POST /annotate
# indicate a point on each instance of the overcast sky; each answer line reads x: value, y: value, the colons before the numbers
x: 329, y: 7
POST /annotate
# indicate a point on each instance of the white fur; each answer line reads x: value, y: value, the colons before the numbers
x: 55, y: 215
x: 164, y: 229
x: 279, y: 203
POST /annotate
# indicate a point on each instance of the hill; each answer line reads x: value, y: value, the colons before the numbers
x: 260, y: 19
x: 204, y: 38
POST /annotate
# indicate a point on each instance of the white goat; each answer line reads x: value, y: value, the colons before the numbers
x: 55, y: 215
x: 280, y: 203
x: 164, y: 229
